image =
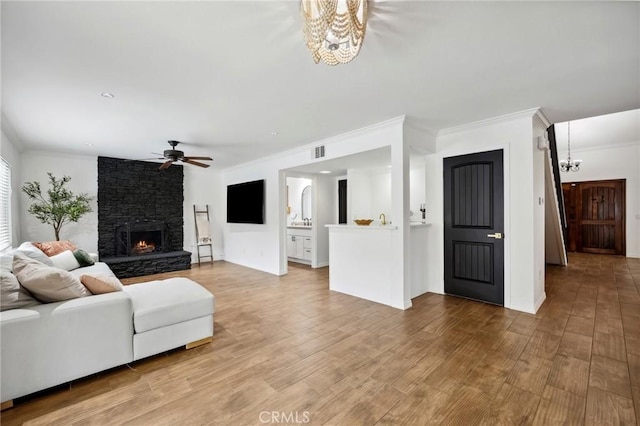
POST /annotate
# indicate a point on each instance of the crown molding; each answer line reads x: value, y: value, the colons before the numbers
x: 528, y: 113
x: 541, y: 119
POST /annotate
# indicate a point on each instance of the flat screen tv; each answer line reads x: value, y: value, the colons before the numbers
x: 245, y: 202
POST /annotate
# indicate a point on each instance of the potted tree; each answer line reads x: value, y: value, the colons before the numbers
x: 60, y: 205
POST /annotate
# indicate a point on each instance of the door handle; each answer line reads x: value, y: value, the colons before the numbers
x: 497, y: 235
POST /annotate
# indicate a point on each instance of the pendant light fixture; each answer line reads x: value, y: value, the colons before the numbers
x: 569, y: 164
x: 334, y: 29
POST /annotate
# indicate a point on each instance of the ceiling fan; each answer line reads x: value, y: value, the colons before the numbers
x: 172, y: 155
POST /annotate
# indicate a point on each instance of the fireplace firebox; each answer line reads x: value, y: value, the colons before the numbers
x: 140, y: 238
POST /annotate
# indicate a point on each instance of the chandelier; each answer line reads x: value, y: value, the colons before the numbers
x: 569, y: 164
x: 334, y: 29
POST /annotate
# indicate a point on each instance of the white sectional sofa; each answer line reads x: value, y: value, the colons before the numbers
x: 53, y: 343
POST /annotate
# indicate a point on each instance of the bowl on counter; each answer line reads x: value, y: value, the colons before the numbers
x: 363, y: 222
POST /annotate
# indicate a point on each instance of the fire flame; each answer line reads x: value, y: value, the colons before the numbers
x: 143, y: 247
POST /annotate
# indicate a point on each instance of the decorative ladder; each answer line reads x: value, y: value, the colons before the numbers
x: 203, y: 236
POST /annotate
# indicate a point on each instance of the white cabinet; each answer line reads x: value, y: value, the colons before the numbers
x: 295, y: 246
x: 306, y: 246
x: 299, y: 245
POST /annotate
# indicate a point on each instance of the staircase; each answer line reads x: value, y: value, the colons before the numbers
x: 555, y: 216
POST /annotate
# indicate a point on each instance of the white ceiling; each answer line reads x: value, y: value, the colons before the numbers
x: 221, y: 76
x: 615, y: 129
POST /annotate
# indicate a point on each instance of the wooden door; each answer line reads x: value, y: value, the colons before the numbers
x: 474, y: 226
x: 596, y: 216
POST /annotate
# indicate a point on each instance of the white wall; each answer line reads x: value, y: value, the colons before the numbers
x: 524, y: 258
x: 613, y: 162
x: 11, y: 154
x: 417, y: 191
x: 369, y: 193
x: 325, y: 212
x: 83, y: 171
x: 202, y: 186
x: 540, y: 158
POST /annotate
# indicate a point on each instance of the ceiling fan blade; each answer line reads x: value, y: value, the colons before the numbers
x: 166, y: 164
x: 195, y: 163
x: 198, y: 158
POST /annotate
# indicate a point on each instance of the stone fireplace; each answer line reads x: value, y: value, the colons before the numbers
x: 140, y: 217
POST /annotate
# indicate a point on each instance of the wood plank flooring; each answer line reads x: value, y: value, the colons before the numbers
x: 287, y: 350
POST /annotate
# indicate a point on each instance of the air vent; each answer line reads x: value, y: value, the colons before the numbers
x: 318, y: 152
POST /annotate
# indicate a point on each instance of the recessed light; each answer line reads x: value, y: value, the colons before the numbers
x: 325, y: 172
x: 107, y: 95
x: 88, y: 144
x: 274, y: 133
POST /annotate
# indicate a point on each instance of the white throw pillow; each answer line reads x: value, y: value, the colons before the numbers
x: 46, y: 283
x: 65, y: 260
x: 34, y: 252
x: 12, y: 294
x: 99, y: 284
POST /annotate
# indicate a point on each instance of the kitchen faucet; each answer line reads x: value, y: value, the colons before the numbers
x: 384, y: 219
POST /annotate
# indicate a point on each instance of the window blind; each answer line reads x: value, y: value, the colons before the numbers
x: 5, y: 204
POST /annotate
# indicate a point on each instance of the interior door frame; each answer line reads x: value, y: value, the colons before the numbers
x: 506, y: 171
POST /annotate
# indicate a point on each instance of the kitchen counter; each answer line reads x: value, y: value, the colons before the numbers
x: 373, y: 226
x: 419, y: 224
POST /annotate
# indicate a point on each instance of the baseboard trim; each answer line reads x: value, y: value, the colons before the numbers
x: 6, y: 404
x: 540, y: 301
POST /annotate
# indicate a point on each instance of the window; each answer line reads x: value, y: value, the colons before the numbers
x: 5, y: 204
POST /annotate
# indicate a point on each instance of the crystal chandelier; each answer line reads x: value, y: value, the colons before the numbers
x: 569, y: 164
x: 334, y: 29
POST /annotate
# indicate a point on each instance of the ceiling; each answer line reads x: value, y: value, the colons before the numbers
x: 222, y: 76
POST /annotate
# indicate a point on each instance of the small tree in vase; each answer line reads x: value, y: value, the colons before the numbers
x: 60, y: 205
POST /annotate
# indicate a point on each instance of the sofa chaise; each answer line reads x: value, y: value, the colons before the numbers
x: 53, y: 343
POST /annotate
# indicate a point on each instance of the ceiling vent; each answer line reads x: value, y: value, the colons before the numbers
x: 318, y: 152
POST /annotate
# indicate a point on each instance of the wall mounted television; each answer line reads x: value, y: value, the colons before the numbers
x: 245, y: 202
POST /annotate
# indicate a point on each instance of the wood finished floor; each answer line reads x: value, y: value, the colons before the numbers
x: 288, y: 345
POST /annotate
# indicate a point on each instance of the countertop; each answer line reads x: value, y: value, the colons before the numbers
x: 419, y: 224
x: 376, y: 226
x: 299, y: 226
x: 373, y: 226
